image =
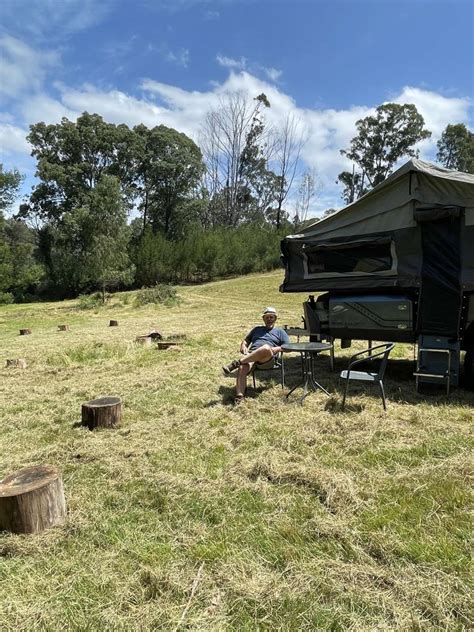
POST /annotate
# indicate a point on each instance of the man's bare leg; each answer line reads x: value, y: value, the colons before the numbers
x: 241, y: 385
x: 262, y: 354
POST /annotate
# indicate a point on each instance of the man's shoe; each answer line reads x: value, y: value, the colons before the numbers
x: 230, y: 368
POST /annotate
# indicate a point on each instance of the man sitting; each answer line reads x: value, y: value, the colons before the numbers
x: 261, y: 345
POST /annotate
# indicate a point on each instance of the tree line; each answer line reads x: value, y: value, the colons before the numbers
x: 199, y: 212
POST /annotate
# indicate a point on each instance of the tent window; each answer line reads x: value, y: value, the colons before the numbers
x: 364, y: 258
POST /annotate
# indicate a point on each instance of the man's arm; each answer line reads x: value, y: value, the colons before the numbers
x: 246, y: 342
x: 244, y: 347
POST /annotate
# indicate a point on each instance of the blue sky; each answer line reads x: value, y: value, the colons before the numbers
x: 160, y: 61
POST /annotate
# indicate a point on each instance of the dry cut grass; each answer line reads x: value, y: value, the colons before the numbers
x: 199, y: 515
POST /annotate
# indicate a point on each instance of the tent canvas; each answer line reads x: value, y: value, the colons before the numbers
x: 385, y: 240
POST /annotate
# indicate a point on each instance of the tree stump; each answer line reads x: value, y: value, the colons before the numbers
x: 18, y: 363
x: 25, y: 332
x: 32, y: 500
x: 63, y: 327
x: 155, y: 334
x: 166, y: 345
x: 104, y: 412
x: 144, y: 340
x: 113, y: 323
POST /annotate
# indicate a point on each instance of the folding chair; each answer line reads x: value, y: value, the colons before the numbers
x: 368, y: 355
x: 277, y: 366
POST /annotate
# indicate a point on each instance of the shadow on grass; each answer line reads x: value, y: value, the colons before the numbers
x: 227, y: 394
x: 399, y: 385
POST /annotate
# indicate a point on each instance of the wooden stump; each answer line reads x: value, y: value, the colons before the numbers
x: 63, y: 327
x: 104, y: 412
x: 25, y: 332
x: 113, y: 323
x: 32, y: 500
x: 166, y: 345
x: 155, y: 334
x: 18, y: 363
x: 144, y: 340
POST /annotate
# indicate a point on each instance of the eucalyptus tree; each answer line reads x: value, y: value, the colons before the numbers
x: 71, y: 159
x: 19, y: 271
x: 89, y: 248
x: 382, y: 139
x: 10, y: 182
x: 456, y: 148
x: 168, y: 169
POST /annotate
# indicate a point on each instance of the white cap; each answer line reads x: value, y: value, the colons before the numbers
x: 269, y: 310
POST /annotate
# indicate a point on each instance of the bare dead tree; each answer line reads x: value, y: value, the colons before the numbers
x: 224, y: 139
x: 289, y: 142
x: 306, y: 193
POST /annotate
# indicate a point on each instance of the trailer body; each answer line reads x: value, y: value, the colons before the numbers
x: 396, y: 265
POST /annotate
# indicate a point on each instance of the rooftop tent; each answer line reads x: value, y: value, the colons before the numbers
x: 416, y: 226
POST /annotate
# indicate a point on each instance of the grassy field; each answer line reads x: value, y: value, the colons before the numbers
x: 196, y: 514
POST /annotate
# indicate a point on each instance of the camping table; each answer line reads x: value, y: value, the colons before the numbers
x: 307, y: 351
x: 300, y: 331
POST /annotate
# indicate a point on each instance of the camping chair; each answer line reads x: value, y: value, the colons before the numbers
x: 368, y: 355
x: 277, y: 366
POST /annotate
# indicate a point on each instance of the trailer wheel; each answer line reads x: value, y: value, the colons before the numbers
x: 469, y: 367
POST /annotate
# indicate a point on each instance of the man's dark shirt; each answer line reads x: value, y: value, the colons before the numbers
x: 260, y: 336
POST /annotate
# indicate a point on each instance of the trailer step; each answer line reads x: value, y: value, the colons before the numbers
x: 440, y: 376
x: 437, y: 362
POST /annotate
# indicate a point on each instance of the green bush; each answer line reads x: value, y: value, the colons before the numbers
x: 90, y: 301
x: 161, y: 294
x: 204, y: 255
x: 6, y: 298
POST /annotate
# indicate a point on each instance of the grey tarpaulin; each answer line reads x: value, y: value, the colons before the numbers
x: 378, y: 241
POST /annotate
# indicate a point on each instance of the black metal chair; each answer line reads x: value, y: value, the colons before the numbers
x: 368, y: 355
x: 277, y: 366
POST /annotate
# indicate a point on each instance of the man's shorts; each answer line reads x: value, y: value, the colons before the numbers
x: 269, y: 364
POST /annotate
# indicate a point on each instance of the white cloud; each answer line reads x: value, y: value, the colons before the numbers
x: 13, y: 140
x: 437, y: 110
x: 229, y: 62
x: 243, y: 64
x: 53, y: 20
x: 22, y: 68
x: 272, y: 73
x: 327, y: 130
x: 46, y: 109
x: 179, y: 57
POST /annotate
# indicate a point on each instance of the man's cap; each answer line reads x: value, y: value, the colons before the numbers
x: 269, y: 310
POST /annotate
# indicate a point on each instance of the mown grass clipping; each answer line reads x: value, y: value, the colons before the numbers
x: 196, y: 514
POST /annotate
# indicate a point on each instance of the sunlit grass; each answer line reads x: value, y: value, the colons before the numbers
x: 300, y: 518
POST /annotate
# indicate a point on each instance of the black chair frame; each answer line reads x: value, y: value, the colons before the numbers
x: 367, y: 356
x: 278, y: 366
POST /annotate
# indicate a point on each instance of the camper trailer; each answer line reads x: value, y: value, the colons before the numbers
x: 396, y: 265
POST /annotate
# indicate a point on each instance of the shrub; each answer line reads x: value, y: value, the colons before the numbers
x: 161, y: 293
x: 90, y: 301
x: 6, y: 298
